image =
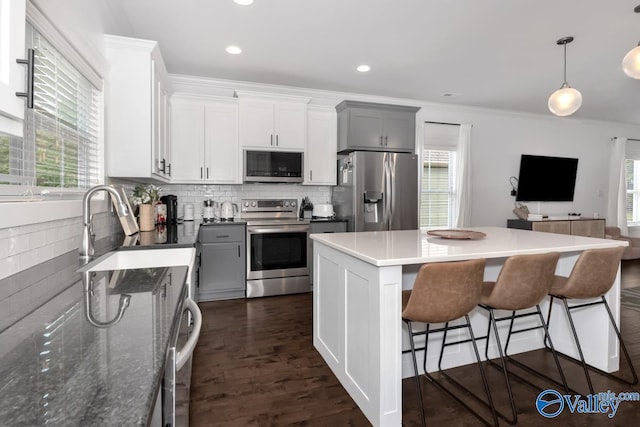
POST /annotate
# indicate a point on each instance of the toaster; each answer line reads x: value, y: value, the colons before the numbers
x: 322, y: 210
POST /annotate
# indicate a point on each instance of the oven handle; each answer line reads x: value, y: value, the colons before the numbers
x: 185, y: 352
x: 278, y: 229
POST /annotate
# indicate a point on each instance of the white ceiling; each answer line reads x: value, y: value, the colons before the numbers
x: 491, y: 53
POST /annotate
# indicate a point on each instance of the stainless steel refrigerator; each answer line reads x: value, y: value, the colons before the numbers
x: 377, y: 191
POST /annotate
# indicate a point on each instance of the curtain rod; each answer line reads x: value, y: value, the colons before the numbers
x: 443, y: 123
x: 628, y: 139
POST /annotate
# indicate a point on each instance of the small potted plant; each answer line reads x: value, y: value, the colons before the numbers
x: 146, y: 197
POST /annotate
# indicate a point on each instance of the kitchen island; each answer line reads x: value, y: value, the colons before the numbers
x: 358, y: 279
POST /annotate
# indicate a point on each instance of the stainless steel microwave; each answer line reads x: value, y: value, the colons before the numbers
x: 273, y: 166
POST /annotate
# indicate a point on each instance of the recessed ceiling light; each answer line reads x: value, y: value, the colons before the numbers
x: 363, y: 68
x: 244, y: 2
x: 234, y: 50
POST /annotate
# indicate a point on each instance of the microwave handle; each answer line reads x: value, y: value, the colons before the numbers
x: 185, y: 352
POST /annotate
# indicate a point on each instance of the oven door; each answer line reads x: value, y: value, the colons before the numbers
x: 276, y: 251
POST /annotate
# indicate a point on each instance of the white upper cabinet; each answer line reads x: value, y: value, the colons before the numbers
x: 322, y: 140
x: 137, y: 121
x: 12, y: 80
x: 270, y: 121
x: 187, y: 137
x: 205, y: 140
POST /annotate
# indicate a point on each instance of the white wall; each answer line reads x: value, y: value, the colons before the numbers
x: 499, y: 138
x: 83, y: 23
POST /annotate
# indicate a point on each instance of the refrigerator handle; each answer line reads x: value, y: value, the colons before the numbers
x: 388, y: 190
x: 392, y: 188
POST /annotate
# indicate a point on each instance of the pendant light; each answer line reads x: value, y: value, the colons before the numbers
x: 566, y: 100
x: 631, y: 61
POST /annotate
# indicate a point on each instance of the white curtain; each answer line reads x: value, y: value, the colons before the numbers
x: 462, y: 215
x: 616, y: 205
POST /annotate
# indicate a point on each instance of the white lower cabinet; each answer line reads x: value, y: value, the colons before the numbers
x: 320, y: 159
x: 204, y: 135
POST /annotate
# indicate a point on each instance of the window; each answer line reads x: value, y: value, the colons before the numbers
x: 632, y: 168
x: 60, y: 147
x: 437, y: 199
x: 438, y: 188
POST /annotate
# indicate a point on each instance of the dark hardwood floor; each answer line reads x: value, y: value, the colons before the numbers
x: 255, y: 365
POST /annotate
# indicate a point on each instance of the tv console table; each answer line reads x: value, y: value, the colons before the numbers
x: 587, y: 227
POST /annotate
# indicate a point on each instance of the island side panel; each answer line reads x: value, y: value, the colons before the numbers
x: 357, y: 330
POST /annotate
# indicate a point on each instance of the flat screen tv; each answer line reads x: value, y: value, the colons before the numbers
x: 546, y: 179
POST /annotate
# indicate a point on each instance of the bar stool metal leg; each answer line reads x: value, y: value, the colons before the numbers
x: 581, y: 361
x: 489, y: 402
x: 547, y: 341
x: 415, y: 369
x: 502, y: 366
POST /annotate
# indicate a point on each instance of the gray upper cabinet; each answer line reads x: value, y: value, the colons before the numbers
x: 376, y: 127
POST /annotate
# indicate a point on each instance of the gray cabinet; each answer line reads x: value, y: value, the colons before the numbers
x: 376, y: 127
x: 223, y: 273
x: 328, y: 227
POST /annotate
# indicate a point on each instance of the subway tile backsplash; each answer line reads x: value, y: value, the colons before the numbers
x: 197, y: 194
x: 28, y: 245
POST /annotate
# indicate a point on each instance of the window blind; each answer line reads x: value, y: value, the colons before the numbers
x: 437, y: 198
x: 437, y: 188
x: 60, y: 147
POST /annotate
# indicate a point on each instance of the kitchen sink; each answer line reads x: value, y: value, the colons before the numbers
x: 144, y: 258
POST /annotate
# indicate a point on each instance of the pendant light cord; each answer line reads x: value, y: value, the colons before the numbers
x: 565, y: 65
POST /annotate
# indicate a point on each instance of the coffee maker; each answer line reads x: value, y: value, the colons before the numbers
x: 172, y: 208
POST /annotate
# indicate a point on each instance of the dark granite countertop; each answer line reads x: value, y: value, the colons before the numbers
x: 57, y: 368
x: 167, y: 235
x: 330, y: 219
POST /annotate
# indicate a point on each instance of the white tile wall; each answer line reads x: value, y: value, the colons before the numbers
x: 25, y: 246
x: 196, y: 194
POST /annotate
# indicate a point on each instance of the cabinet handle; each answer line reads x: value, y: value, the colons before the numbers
x: 201, y: 175
x: 276, y: 140
x: 386, y: 142
x: 310, y: 175
x: 222, y: 236
x: 238, y: 251
x: 163, y: 163
x: 30, y: 63
x: 271, y: 139
x: 381, y: 143
x: 169, y: 169
x: 207, y: 173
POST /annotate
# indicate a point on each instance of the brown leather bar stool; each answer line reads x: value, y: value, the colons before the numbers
x: 591, y: 277
x: 443, y: 292
x: 522, y: 283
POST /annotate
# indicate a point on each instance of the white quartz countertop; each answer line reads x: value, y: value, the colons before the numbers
x: 386, y: 248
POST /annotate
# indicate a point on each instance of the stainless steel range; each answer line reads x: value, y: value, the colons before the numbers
x: 278, y: 248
